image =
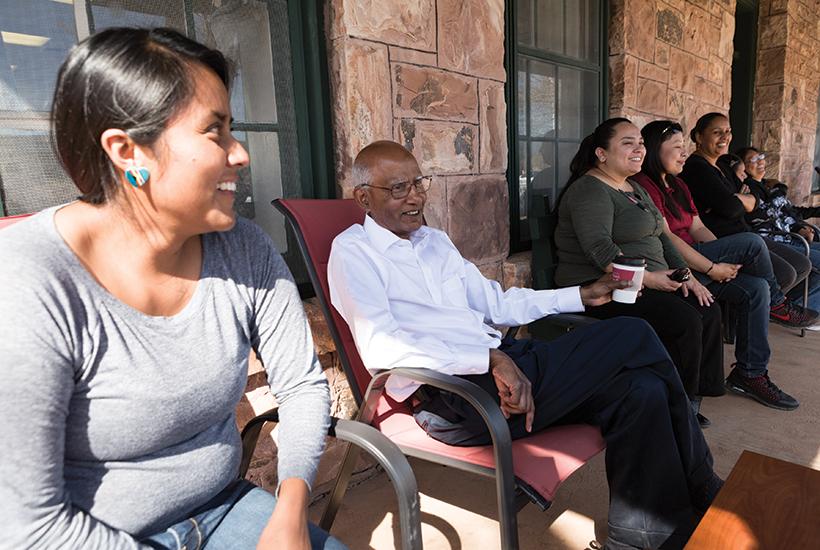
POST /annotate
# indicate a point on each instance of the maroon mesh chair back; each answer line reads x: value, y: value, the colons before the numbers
x: 10, y: 220
x: 316, y: 222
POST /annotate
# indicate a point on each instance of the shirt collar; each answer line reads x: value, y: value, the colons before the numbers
x: 383, y: 239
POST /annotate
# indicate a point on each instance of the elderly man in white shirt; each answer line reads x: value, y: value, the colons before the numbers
x: 412, y: 300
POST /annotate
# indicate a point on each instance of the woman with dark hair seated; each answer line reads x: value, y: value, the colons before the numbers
x: 602, y: 215
x: 716, y: 263
x: 129, y: 316
x: 723, y: 206
x: 776, y: 213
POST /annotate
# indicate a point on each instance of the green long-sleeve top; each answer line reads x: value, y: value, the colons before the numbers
x: 596, y: 223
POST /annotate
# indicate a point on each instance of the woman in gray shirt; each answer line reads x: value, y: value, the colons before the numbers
x: 128, y: 317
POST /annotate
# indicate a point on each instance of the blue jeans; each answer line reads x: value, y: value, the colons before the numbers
x: 750, y: 250
x: 749, y: 293
x: 814, y: 277
x: 233, y: 519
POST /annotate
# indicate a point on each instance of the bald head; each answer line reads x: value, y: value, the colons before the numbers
x: 378, y: 170
x: 378, y: 154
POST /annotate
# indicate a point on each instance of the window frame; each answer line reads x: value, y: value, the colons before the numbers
x: 511, y: 52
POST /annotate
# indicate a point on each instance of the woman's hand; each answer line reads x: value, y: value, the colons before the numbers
x: 722, y: 272
x: 659, y: 280
x: 287, y: 527
x: 702, y: 293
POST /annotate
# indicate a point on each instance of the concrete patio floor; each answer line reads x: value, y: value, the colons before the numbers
x: 458, y: 508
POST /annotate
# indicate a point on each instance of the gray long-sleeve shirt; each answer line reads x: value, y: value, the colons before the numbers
x: 115, y: 424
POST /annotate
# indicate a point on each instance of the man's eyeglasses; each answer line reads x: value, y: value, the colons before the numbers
x: 401, y: 189
x: 758, y: 157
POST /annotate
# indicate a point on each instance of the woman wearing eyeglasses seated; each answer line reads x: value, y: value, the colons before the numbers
x: 723, y: 206
x: 602, y: 214
x: 776, y: 213
x: 128, y: 317
x: 735, y: 268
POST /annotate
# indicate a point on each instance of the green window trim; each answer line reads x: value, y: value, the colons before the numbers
x: 512, y: 51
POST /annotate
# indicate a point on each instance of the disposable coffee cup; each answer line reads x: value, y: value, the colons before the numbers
x: 628, y: 269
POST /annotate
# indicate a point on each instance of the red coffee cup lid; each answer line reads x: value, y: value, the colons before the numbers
x: 630, y: 261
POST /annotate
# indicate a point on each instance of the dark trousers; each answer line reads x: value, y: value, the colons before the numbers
x: 689, y: 331
x: 790, y: 265
x: 616, y: 375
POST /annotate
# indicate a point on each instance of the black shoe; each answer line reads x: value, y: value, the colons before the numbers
x: 792, y: 315
x: 761, y: 389
x: 703, y: 421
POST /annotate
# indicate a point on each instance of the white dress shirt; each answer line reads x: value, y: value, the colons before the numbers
x: 419, y: 303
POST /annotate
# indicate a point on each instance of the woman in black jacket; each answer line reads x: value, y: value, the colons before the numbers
x: 723, y: 208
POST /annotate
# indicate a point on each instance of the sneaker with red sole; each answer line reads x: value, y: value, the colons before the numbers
x: 761, y: 389
x: 792, y: 315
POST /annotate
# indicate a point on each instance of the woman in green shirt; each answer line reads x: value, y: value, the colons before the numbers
x: 601, y: 215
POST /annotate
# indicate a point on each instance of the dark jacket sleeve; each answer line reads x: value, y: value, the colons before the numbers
x: 710, y: 191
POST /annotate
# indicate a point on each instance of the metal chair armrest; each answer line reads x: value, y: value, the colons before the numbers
x: 377, y: 445
x: 800, y: 238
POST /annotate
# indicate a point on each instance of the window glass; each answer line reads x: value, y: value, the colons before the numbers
x: 557, y: 95
x: 35, y: 37
x: 137, y: 13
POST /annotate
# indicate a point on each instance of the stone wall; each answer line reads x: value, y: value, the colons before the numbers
x: 430, y: 75
x: 787, y: 84
x: 670, y: 58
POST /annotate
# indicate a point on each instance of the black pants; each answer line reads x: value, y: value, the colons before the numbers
x: 790, y: 265
x: 616, y: 375
x: 689, y: 331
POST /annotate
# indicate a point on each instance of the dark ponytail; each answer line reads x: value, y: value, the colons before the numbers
x: 654, y: 135
x: 702, y: 123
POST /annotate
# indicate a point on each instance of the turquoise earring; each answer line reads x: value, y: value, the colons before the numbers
x: 137, y: 175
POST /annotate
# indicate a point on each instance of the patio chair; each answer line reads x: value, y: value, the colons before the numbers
x: 542, y: 221
x: 385, y: 452
x: 529, y: 469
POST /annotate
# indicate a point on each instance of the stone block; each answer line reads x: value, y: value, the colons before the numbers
x: 661, y: 54
x: 492, y: 271
x: 440, y: 147
x: 404, y: 55
x: 360, y: 94
x: 623, y: 79
x: 517, y: 270
x: 492, y: 127
x: 652, y: 96
x: 407, y: 24
x: 479, y: 216
x: 639, y: 29
x: 471, y: 37
x: 771, y: 65
x: 435, y: 209
x: 773, y: 31
x: 697, y: 34
x: 677, y: 5
x: 670, y: 27
x: 768, y: 102
x: 708, y: 92
x: 682, y: 70
x: 675, y: 105
x: 778, y: 6
x: 715, y: 69
x: 425, y: 92
x: 727, y: 36
x: 615, y: 31
x: 652, y: 71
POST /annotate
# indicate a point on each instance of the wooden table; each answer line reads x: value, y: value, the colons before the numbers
x: 766, y: 504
